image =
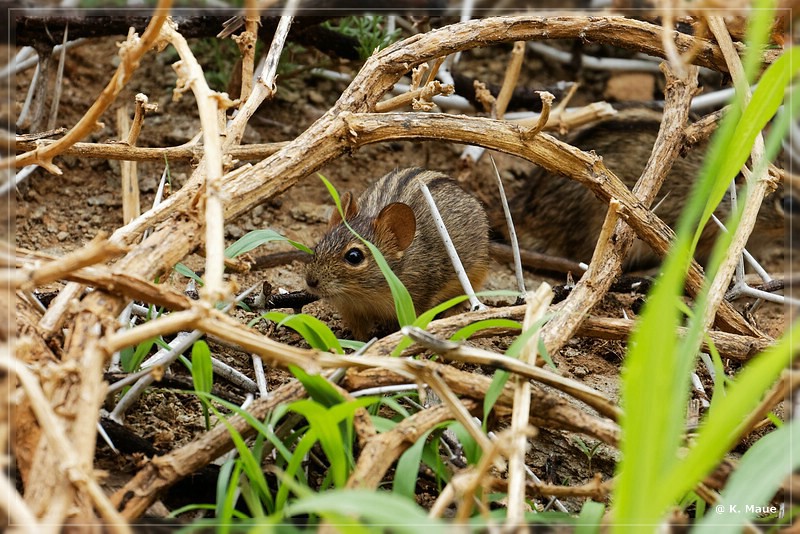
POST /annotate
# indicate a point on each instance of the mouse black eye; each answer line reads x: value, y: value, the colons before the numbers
x: 354, y: 256
x: 791, y: 205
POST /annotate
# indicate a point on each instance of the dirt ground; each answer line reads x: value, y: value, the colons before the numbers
x: 57, y: 214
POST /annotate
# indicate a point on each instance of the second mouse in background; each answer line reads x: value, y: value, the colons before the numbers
x: 393, y: 215
x: 558, y: 216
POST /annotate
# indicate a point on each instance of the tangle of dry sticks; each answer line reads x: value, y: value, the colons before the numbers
x: 178, y: 228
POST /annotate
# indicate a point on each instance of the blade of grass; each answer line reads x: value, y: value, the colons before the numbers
x: 202, y: 374
x: 722, y: 427
x: 315, y: 332
x: 758, y: 476
x: 256, y: 238
x: 374, y: 507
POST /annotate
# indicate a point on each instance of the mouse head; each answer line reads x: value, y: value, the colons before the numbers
x: 343, y: 264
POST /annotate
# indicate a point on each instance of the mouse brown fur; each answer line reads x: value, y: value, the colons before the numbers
x: 393, y: 215
x: 560, y: 217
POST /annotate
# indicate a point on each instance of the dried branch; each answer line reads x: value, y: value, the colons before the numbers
x: 76, y: 469
x: 509, y: 80
x: 130, y: 52
x: 535, y: 308
x: 606, y: 264
x: 96, y: 251
x: 265, y: 88
x: 758, y: 183
x: 209, y: 103
x: 134, y: 153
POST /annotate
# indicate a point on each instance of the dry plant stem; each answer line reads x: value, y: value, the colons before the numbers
x: 265, y: 86
x: 565, y: 120
x: 426, y: 92
x: 130, y: 179
x: 536, y: 307
x: 59, y: 86
x: 76, y: 469
x: 190, y: 74
x: 15, y: 510
x: 596, y: 489
x: 131, y: 52
x: 509, y: 80
x: 127, y: 285
x: 166, y: 324
x: 551, y: 154
x: 610, y: 251
x: 466, y: 483
x: 132, y: 153
x: 56, y: 313
x: 466, y: 353
x: 431, y: 377
x: 96, y: 251
x: 758, y: 184
x: 142, y: 107
x: 512, y: 232
x: 733, y: 346
x: 789, y: 381
x: 544, y: 117
x: 247, y: 47
x: 382, y: 450
x: 458, y: 267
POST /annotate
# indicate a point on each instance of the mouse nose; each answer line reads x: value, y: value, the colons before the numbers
x: 311, y: 281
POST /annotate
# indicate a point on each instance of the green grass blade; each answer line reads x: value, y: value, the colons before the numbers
x: 202, y: 370
x: 469, y: 330
x: 202, y: 374
x: 318, y: 387
x: 294, y: 469
x: 765, y: 102
x: 330, y: 438
x: 315, y: 332
x: 256, y: 238
x: 655, y: 384
x: 372, y: 507
x: 250, y: 464
x: 758, y: 476
x: 405, y: 477
x: 493, y: 392
x: 131, y: 359
x: 325, y: 424
x: 188, y: 273
x: 226, y: 489
x: 351, y: 344
x: 722, y: 426
x: 590, y: 518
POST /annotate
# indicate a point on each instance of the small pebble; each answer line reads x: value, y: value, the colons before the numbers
x: 234, y: 231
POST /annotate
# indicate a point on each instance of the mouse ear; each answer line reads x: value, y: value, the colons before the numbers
x: 349, y: 207
x: 398, y: 220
